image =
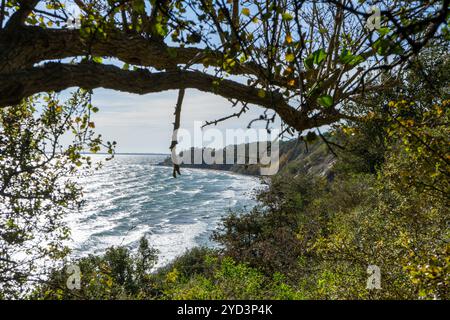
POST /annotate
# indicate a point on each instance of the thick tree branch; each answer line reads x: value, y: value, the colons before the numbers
x: 23, y: 48
x: 58, y: 76
x: 19, y: 17
x: 31, y: 45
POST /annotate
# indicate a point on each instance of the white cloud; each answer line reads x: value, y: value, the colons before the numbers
x: 144, y: 123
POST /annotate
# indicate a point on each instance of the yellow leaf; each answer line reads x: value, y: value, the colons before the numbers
x: 261, y: 93
x: 246, y: 11
x: 290, y: 57
x: 288, y: 71
x: 289, y: 38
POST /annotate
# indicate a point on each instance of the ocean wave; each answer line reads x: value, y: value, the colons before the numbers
x: 133, y: 198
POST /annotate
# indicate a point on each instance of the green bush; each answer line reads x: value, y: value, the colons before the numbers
x: 118, y: 274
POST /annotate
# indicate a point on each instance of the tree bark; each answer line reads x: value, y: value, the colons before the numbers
x: 89, y: 75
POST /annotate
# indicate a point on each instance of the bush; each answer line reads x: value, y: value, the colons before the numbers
x: 256, y: 238
x: 118, y: 274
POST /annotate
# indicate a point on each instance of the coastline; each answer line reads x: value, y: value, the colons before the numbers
x: 230, y: 170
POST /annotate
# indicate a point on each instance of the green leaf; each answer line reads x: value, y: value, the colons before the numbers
x: 384, y: 31
x: 319, y: 56
x: 347, y: 57
x: 381, y: 46
x: 309, y: 62
x: 160, y: 29
x: 315, y: 58
x: 97, y: 59
x: 357, y: 60
x: 325, y: 101
x: 287, y: 16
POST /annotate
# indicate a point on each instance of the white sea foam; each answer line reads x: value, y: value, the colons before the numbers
x: 175, y: 240
x: 129, y: 198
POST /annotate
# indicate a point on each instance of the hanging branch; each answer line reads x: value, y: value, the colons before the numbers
x: 176, y: 126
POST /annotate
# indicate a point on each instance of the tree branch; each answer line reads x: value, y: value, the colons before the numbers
x: 58, y: 76
x: 19, y: 17
x: 30, y: 45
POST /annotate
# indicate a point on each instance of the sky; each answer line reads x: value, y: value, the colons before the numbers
x: 144, y: 123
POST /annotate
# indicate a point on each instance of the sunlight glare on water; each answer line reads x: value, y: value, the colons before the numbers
x: 130, y: 197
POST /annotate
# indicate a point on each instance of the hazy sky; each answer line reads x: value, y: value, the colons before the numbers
x: 144, y: 123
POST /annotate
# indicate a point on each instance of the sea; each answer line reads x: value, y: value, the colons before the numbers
x: 132, y: 197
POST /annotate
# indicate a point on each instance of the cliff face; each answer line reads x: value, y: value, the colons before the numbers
x: 316, y: 158
x: 294, y: 156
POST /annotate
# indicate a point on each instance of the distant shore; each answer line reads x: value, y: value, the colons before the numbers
x: 248, y: 170
x: 129, y: 153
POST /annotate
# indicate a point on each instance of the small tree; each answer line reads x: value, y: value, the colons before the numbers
x: 36, y: 185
